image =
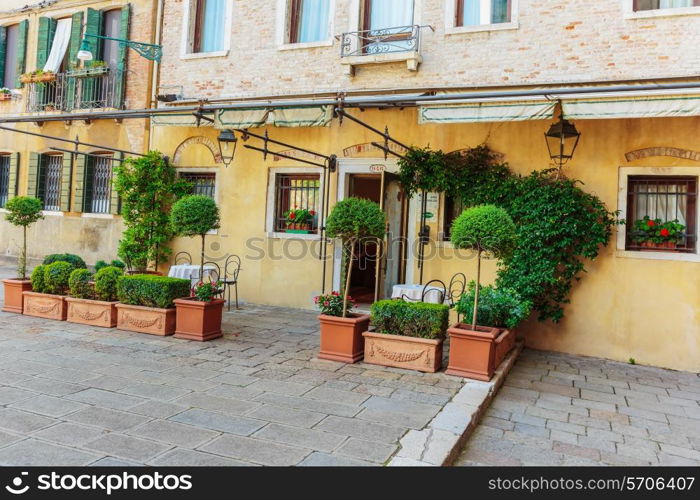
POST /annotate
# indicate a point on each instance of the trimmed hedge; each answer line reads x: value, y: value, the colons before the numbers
x: 498, y: 307
x: 101, y: 264
x: 151, y: 291
x: 106, y: 283
x: 410, y: 319
x: 79, y: 284
x: 74, y: 260
x: 56, y: 277
x: 38, y: 281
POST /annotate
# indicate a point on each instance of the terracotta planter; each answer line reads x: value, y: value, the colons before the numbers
x: 45, y: 305
x: 92, y: 312
x: 504, y: 344
x: 5, y: 97
x: 473, y: 352
x: 151, y: 320
x: 14, y: 299
x: 411, y: 353
x: 341, y: 338
x: 664, y: 245
x: 196, y: 320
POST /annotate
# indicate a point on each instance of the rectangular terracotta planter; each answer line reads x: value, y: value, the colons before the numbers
x: 14, y: 300
x: 341, y: 338
x: 45, y: 305
x: 92, y: 312
x: 151, y: 320
x: 197, y: 320
x: 473, y: 353
x: 504, y: 344
x: 411, y: 353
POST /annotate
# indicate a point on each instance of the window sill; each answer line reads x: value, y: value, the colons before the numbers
x: 672, y: 256
x: 646, y: 14
x: 52, y: 213
x: 97, y: 216
x: 204, y: 55
x: 458, y: 30
x: 412, y: 60
x: 293, y: 236
x: 305, y: 45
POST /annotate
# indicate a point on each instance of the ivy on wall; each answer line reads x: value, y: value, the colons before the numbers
x: 559, y: 225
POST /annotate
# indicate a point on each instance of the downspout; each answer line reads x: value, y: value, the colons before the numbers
x: 154, y: 73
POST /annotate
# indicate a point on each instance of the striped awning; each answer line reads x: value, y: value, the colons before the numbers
x: 306, y: 116
x: 489, y: 111
x: 642, y: 106
x: 178, y: 120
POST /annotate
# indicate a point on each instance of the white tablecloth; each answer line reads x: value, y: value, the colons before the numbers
x: 190, y: 272
x: 414, y: 293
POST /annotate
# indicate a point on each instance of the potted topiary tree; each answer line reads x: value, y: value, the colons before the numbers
x: 94, y: 303
x: 488, y: 230
x: 22, y: 211
x: 352, y: 221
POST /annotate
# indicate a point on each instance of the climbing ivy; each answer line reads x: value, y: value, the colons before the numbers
x: 559, y: 225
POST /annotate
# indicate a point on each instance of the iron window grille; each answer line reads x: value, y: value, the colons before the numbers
x: 202, y: 183
x: 49, y: 182
x: 665, y: 198
x: 296, y: 192
x: 4, y: 179
x: 451, y: 210
x: 98, y: 184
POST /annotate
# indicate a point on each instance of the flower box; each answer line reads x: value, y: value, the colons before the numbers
x: 198, y: 320
x: 663, y: 246
x: 42, y: 78
x: 142, y: 319
x: 14, y: 290
x: 92, y: 312
x: 341, y: 338
x: 88, y: 72
x: 45, y: 305
x: 477, y: 353
x: 411, y: 353
x: 297, y: 231
x: 5, y: 96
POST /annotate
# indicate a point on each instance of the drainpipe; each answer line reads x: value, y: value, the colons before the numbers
x: 154, y: 73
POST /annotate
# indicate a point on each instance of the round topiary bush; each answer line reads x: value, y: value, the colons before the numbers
x: 106, y: 283
x: 79, y: 284
x: 38, y: 282
x: 76, y: 261
x: 195, y: 215
x: 56, y: 277
x: 23, y: 211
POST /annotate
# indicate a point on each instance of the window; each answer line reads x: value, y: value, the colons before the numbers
x: 49, y: 181
x: 11, y: 53
x: 202, y: 183
x: 208, y: 18
x: 98, y: 183
x: 389, y: 23
x: 4, y: 179
x: 296, y: 192
x: 640, y: 5
x: 451, y: 210
x: 111, y: 27
x: 482, y: 12
x: 662, y: 202
x: 308, y: 20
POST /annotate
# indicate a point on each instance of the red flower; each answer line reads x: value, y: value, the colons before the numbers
x: 651, y: 223
x: 292, y: 216
x: 312, y: 213
x: 326, y: 303
x: 335, y: 293
x: 664, y: 232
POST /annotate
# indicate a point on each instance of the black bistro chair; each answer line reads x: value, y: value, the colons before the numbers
x: 232, y: 269
x: 182, y: 258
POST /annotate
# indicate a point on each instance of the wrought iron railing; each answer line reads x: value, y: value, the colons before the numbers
x: 380, y: 41
x: 76, y: 91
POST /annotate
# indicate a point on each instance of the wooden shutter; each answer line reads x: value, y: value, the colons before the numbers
x: 294, y: 19
x: 120, y: 83
x: 80, y: 167
x: 22, y: 51
x: 33, y: 175
x: 3, y: 51
x: 14, y: 174
x: 65, y: 182
x: 76, y: 35
x: 47, y: 30
x: 114, y: 200
x: 93, y: 26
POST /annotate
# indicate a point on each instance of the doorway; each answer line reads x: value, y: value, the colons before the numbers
x: 363, y: 280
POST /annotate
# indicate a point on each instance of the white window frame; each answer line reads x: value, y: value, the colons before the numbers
x: 188, y: 19
x: 282, y: 17
x: 451, y: 27
x: 630, y: 13
x: 273, y: 172
x: 624, y: 174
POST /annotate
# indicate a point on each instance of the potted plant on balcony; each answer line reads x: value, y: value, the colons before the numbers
x: 92, y: 68
x: 146, y: 303
x: 407, y: 335
x: 49, y: 288
x: 299, y: 220
x: 654, y: 234
x: 94, y: 303
x: 353, y: 221
x: 38, y: 76
x: 488, y: 230
x: 5, y: 94
x: 22, y: 211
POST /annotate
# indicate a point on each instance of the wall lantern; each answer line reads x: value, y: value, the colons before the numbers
x: 227, y: 146
x: 562, y: 139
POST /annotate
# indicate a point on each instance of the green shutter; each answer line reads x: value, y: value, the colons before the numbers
x: 76, y: 35
x: 47, y: 30
x: 3, y: 51
x: 65, y: 182
x: 33, y: 175
x: 14, y: 171
x: 114, y: 200
x: 93, y: 26
x: 80, y: 181
x: 120, y: 83
x: 22, y: 51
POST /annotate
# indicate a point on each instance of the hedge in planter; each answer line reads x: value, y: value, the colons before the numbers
x: 76, y: 261
x: 49, y: 284
x: 95, y: 303
x: 499, y: 307
x: 407, y: 334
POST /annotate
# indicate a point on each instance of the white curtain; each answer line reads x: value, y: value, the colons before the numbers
x: 313, y: 26
x: 675, y: 4
x: 661, y: 201
x: 391, y: 14
x: 213, y: 27
x: 471, y: 13
x: 59, y: 46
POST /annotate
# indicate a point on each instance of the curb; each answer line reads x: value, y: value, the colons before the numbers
x: 440, y: 442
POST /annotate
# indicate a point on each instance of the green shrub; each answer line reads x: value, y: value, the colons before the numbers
x: 106, y: 283
x: 72, y: 259
x: 79, y: 284
x: 410, y: 319
x: 38, y: 282
x: 151, y: 291
x: 101, y: 264
x: 56, y: 277
x: 485, y: 228
x: 498, y: 307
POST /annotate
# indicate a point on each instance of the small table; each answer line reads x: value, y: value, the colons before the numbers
x: 190, y: 272
x: 414, y: 293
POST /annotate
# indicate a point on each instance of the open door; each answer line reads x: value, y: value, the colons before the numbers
x: 391, y: 268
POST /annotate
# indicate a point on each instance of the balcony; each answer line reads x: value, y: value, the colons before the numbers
x: 385, y: 45
x: 77, y: 90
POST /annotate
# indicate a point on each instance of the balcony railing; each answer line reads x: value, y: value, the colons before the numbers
x: 380, y: 41
x: 76, y: 91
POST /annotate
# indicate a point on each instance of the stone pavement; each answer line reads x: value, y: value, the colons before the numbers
x: 556, y: 409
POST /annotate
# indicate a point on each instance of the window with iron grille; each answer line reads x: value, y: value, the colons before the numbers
x: 98, y: 184
x: 299, y: 194
x: 49, y: 181
x: 664, y: 4
x: 662, y: 213
x: 451, y: 210
x: 202, y: 183
x: 4, y: 179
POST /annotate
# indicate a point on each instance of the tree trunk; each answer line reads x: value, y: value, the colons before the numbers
x: 23, y: 258
x: 201, y: 266
x: 476, y: 291
x: 347, y: 278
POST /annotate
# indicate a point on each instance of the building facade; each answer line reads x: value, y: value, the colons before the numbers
x: 451, y: 74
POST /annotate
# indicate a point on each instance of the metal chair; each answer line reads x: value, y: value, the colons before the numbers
x: 182, y: 258
x: 214, y: 275
x: 232, y: 269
